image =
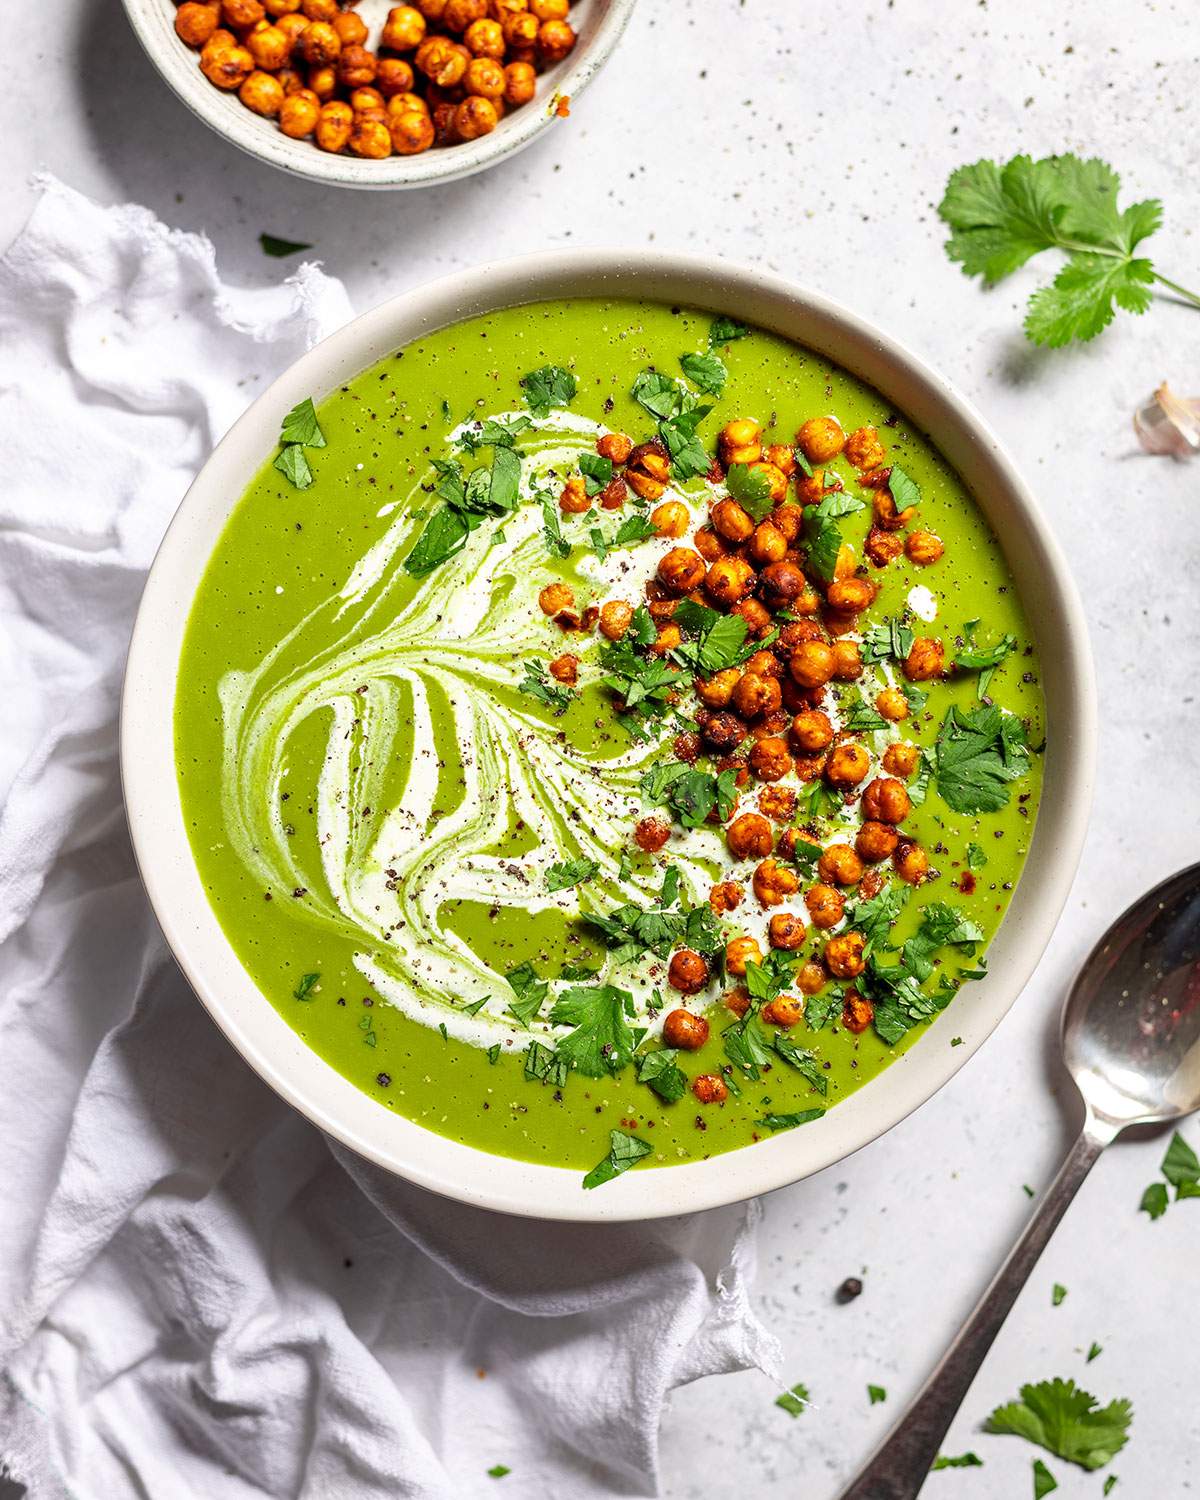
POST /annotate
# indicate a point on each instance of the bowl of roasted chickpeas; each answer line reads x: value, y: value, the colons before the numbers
x: 360, y: 93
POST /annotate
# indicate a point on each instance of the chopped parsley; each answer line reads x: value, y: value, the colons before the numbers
x: 596, y: 471
x: 493, y: 432
x: 1181, y: 1167
x: 1110, y: 1484
x: 984, y: 660
x: 691, y: 794
x: 493, y: 1053
x: 724, y: 331
x: 905, y: 490
x: 751, y: 489
x: 660, y: 1072
x: 634, y: 528
x: 979, y: 751
x: 861, y: 717
x: 547, y: 388
x: 789, y: 1122
x: 717, y: 641
x: 624, y: 1150
x: 601, y: 1042
x: 275, y: 247
x: 1066, y: 1421
x: 535, y: 684
x: 822, y: 535
x: 876, y: 1394
x: 304, y: 989
x: 874, y: 918
x: 891, y: 639
x: 960, y: 1461
x: 805, y: 1063
x: 556, y: 544
x: 1094, y: 1352
x: 1043, y: 1481
x: 544, y: 1065
x: 1058, y: 1294
x: 793, y: 1400
x: 301, y: 426
x: 530, y: 992
x: 976, y: 858
x: 498, y: 1471
x: 469, y: 501
x: 706, y: 371
x: 572, y: 872
x: 1155, y: 1200
x: 678, y: 414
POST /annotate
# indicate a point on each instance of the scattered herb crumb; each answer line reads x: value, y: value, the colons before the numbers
x: 1094, y: 1352
x: 1043, y: 1481
x: 498, y: 1471
x: 877, y: 1394
x: 794, y: 1400
x: 1058, y: 1294
x: 960, y: 1461
x: 274, y: 246
x: 308, y: 983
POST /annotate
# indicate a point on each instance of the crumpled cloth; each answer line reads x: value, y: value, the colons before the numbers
x: 201, y: 1296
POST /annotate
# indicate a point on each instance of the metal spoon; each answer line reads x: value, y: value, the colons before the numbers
x: 1131, y: 1042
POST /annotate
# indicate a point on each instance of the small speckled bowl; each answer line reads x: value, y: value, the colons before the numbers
x: 258, y: 1030
x: 599, y: 24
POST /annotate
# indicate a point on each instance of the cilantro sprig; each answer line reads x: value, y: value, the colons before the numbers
x: 1066, y: 1421
x: 300, y: 430
x: 1002, y: 216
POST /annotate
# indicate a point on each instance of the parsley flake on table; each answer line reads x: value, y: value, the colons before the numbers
x: 706, y: 371
x: 1002, y: 216
x: 1058, y: 1294
x: 498, y: 1471
x: 272, y: 245
x: 624, y: 1150
x: 793, y: 1400
x: 1044, y: 1483
x: 547, y: 388
x: 960, y: 1461
x: 979, y: 751
x: 304, y: 989
x: 572, y: 872
x: 1094, y: 1352
x: 1110, y: 1484
x: 1181, y: 1168
x: 876, y: 1394
x: 1066, y: 1421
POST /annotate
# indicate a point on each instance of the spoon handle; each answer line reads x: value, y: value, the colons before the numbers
x: 899, y: 1468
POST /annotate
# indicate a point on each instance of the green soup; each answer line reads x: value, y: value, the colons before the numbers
x: 428, y: 848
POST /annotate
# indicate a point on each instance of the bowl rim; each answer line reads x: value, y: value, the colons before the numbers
x: 257, y: 1029
x: 152, y: 22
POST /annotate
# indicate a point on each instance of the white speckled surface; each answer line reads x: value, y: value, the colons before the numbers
x: 816, y: 139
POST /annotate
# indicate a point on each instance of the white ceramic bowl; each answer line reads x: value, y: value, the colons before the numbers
x: 598, y: 22
x: 266, y: 1040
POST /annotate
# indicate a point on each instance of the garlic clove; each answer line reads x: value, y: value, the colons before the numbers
x: 1169, y: 424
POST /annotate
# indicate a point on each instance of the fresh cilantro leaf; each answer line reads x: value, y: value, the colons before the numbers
x: 751, y: 489
x: 642, y: 629
x: 634, y: 528
x: 304, y: 990
x: 961, y: 1461
x: 1001, y: 217
x: 493, y: 1053
x: 1154, y: 1200
x: 530, y: 992
x: 976, y: 857
x: 859, y: 716
x: 941, y: 927
x: 746, y: 1046
x: 498, y: 1471
x: 724, y: 331
x: 301, y: 426
x: 596, y: 471
x: 804, y: 1062
x: 789, y: 1122
x: 794, y: 1400
x: 876, y: 1394
x: 601, y: 1042
x: 556, y: 544
x: 660, y: 1071
x: 1110, y: 1484
x: 819, y: 1008
x: 889, y: 639
x: 874, y: 918
x: 805, y: 855
x: 706, y: 371
x: 702, y: 931
x: 293, y: 465
x: 670, y: 886
x: 689, y: 457
x: 476, y: 1005
x: 978, y: 752
x: 624, y: 1150
x: 1180, y: 1164
x: 719, y: 640
x: 1058, y: 1294
x: 535, y: 684
x: 570, y: 873
x: 822, y: 536
x: 630, y: 931
x: 661, y: 396
x: 547, y: 388
x: 975, y: 658
x: 599, y: 545
x: 272, y: 245
x: 905, y: 490
x: 1043, y: 1481
x: 504, y: 486
x: 768, y: 979
x: 492, y: 432
x: 1094, y: 1352
x: 1066, y: 1421
x: 544, y: 1065
x: 918, y: 787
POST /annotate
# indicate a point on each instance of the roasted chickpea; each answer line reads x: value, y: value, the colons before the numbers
x: 812, y: 664
x: 754, y: 695
x: 647, y: 470
x: 520, y: 83
x: 573, y: 498
x: 668, y: 638
x: 614, y: 494
x: 681, y: 571
x: 739, y: 952
x: 774, y: 882
x: 550, y: 10
x: 403, y: 104
x: 717, y: 691
x: 370, y: 137
x: 474, y: 117
x: 876, y: 842
x: 926, y: 660
x: 826, y: 906
x: 723, y: 731
x: 839, y: 865
x: 811, y: 731
x: 788, y: 521
x: 820, y: 439
x: 485, y: 38
x: 320, y: 46
x: 614, y: 446
x: 770, y: 760
x: 195, y: 24
x: 749, y: 836
x: 334, y: 126
x: 520, y: 31
x: 351, y: 28
x: 892, y: 704
x: 857, y: 1012
x: 901, y: 759
x: 394, y: 77
x: 651, y: 833
x: 686, y: 745
x: 782, y: 457
x: 433, y: 10
x: 844, y: 955
x: 412, y: 132
x: 885, y: 801
x: 768, y: 544
x: 725, y: 896
x: 293, y: 27
x: 299, y: 113
x: 783, y: 1011
x: 281, y: 7
x: 737, y: 1001
x: 887, y: 517
x: 262, y: 93
x: 356, y: 68
x: 615, y: 619
x: 923, y: 548
x: 848, y: 763
x: 777, y: 803
x: 910, y: 862
x: 786, y: 931
x: 320, y: 10
x: 241, y: 14
x: 710, y: 1088
x: 863, y: 448
x: 227, y: 66
x: 555, y: 597
x: 441, y: 61
x: 756, y: 616
x: 323, y: 83
x: 710, y: 544
x: 687, y: 973
x: 269, y: 48
x: 457, y: 15
x: 565, y: 668
x: 783, y: 581
x: 403, y: 30
x: 681, y: 1028
x: 850, y: 594
x: 883, y: 547
x: 670, y: 519
x: 731, y: 521
x: 740, y: 442
x: 811, y: 978
x: 847, y: 661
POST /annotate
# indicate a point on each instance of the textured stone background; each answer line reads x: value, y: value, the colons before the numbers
x: 816, y: 139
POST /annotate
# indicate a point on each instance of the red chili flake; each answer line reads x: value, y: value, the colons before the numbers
x: 966, y: 883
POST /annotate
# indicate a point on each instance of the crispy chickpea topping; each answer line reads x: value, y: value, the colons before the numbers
x: 875, y: 842
x: 687, y: 973
x: 901, y: 759
x: 725, y: 896
x: 863, y: 448
x: 783, y: 1011
x: 740, y: 442
x: 680, y: 1027
x: 749, y: 836
x: 651, y: 834
x: 786, y: 931
x: 848, y: 764
x: 770, y: 759
x: 844, y: 955
x: 885, y: 801
x: 811, y: 978
x: 778, y: 803
x: 910, y: 862
x: 811, y: 731
x: 820, y: 439
x: 774, y: 882
x: 892, y: 704
x: 812, y: 664
x: 737, y: 1001
x: 857, y: 1012
x: 926, y: 660
x: 825, y: 905
x: 565, y: 668
x: 710, y: 1088
x: 739, y: 952
x: 555, y: 597
x: 756, y: 694
x: 728, y: 580
x: 923, y: 548
x: 840, y: 865
x: 616, y: 616
x: 670, y: 519
x: 681, y: 571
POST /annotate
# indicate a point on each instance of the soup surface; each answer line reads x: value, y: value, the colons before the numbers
x: 620, y: 735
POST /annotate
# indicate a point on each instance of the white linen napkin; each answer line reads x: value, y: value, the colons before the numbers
x: 199, y: 1296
